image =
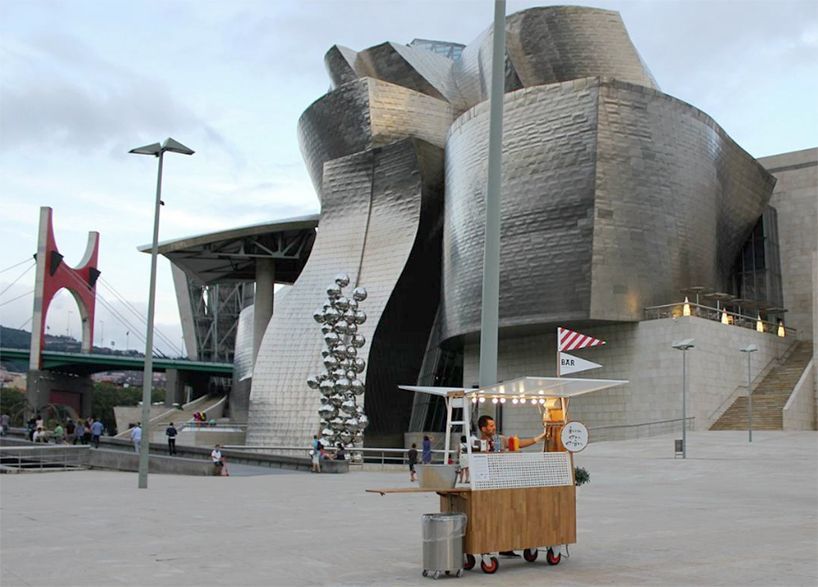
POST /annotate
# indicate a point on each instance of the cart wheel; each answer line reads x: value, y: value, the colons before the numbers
x: 468, y: 563
x: 553, y: 559
x: 459, y: 573
x: 530, y: 554
x: 491, y: 567
x: 425, y: 573
x: 435, y: 575
x: 447, y: 573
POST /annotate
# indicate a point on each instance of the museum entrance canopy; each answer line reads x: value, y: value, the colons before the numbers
x: 230, y: 255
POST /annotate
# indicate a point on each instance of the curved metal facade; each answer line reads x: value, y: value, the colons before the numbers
x: 615, y: 196
x: 367, y: 113
x: 379, y: 222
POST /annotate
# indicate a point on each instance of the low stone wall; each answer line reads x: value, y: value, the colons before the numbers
x: 799, y: 413
x: 120, y: 460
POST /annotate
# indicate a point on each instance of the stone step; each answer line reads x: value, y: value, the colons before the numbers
x: 770, y: 397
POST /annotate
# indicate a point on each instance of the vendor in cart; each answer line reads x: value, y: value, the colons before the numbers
x: 499, y: 443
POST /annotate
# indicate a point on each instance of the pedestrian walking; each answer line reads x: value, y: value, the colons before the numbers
x: 412, y: 456
x: 96, y: 432
x: 427, y: 450
x: 79, y: 433
x: 5, y: 420
x: 136, y: 436
x: 171, y: 433
x: 86, y: 431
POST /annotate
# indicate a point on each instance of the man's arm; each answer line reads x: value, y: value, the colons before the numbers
x: 524, y: 442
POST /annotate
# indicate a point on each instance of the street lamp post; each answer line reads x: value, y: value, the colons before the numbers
x: 684, y: 346
x: 156, y: 150
x: 749, y: 350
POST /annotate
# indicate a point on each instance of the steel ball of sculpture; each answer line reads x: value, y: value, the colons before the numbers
x: 342, y: 420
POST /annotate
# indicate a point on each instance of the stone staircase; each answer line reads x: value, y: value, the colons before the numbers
x: 770, y: 396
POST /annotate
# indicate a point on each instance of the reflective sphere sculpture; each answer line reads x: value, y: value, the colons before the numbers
x: 341, y: 418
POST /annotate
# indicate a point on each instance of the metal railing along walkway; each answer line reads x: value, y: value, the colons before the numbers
x: 44, y: 458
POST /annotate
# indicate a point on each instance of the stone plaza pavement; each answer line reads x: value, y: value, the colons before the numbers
x: 732, y: 513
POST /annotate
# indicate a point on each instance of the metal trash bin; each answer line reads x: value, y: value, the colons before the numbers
x: 443, y: 543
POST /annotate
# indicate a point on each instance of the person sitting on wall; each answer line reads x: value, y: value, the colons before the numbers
x: 340, y: 454
x: 40, y: 435
x: 219, y: 468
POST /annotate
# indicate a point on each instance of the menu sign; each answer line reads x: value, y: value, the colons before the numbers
x: 574, y: 436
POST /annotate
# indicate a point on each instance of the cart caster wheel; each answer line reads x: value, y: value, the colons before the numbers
x: 491, y: 567
x: 447, y: 573
x: 530, y: 554
x: 553, y: 559
x: 436, y: 575
x: 469, y: 561
x: 425, y: 573
x: 459, y: 573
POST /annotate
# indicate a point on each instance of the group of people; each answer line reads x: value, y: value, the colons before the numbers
x: 86, y: 431
x: 200, y: 419
x: 318, y: 452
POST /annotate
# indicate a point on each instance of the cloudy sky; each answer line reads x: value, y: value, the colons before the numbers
x: 82, y: 82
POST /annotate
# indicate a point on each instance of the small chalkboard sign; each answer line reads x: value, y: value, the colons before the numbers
x: 574, y: 436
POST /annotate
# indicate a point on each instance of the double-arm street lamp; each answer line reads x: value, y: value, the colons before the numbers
x: 156, y: 150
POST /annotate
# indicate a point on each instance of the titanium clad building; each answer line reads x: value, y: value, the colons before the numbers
x: 615, y: 198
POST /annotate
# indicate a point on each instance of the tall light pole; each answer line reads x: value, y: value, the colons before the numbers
x: 749, y: 350
x: 156, y: 150
x: 684, y: 346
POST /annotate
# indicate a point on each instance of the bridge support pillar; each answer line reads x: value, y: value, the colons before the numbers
x: 52, y: 387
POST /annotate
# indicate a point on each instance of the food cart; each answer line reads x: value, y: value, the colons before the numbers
x: 515, y: 500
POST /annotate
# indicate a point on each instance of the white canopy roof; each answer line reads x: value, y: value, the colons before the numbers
x: 526, y: 387
x: 442, y: 391
x: 546, y: 387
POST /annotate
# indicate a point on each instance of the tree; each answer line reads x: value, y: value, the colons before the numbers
x: 13, y: 403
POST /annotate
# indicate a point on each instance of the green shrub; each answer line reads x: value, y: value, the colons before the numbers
x: 582, y: 476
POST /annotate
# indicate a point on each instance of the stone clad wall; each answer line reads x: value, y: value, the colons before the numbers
x: 642, y: 354
x: 796, y: 199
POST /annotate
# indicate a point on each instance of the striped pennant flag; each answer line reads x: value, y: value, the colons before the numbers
x: 570, y: 340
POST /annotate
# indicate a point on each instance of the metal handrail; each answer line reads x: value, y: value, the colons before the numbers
x: 400, y: 458
x: 689, y: 421
x: 675, y: 310
x: 44, y: 455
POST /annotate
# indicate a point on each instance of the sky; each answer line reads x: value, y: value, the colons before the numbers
x: 83, y: 82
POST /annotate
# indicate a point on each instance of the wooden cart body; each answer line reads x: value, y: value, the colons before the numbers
x: 515, y: 519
